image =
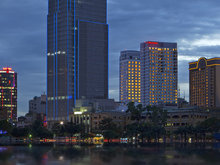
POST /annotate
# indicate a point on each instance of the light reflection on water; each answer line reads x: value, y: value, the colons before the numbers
x: 178, y: 154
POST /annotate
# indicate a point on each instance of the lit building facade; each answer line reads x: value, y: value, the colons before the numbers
x: 204, y: 81
x: 8, y: 95
x: 130, y: 77
x: 77, y: 54
x: 159, y: 73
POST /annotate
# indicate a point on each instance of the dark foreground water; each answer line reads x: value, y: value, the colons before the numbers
x: 176, y: 154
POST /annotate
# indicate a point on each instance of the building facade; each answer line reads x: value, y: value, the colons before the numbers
x: 8, y: 95
x: 204, y: 82
x: 159, y: 73
x: 130, y: 77
x: 92, y: 120
x: 181, y: 117
x: 38, y: 105
x: 77, y: 54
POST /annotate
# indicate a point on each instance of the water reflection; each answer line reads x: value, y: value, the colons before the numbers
x: 178, y: 154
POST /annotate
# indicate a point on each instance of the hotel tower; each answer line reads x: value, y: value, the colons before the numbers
x: 159, y: 74
x: 130, y: 77
x: 204, y: 83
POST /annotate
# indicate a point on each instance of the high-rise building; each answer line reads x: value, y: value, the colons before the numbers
x: 77, y: 54
x: 204, y: 82
x: 130, y: 76
x: 158, y: 73
x: 8, y: 95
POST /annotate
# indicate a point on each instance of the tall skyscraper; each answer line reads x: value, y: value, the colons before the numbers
x: 8, y: 95
x: 77, y: 54
x: 204, y: 82
x: 130, y: 76
x: 159, y: 74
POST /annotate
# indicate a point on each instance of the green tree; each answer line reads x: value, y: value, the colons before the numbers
x: 132, y: 130
x: 58, y: 129
x: 109, y: 129
x: 72, y: 129
x: 136, y: 111
x: 20, y: 132
x: 157, y: 115
x: 146, y: 131
x: 38, y: 130
x: 184, y: 132
x: 6, y: 126
x: 158, y: 118
x: 208, y: 126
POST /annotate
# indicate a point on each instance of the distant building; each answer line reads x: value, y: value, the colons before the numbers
x: 185, y: 117
x: 77, y: 54
x: 122, y: 107
x: 8, y: 95
x: 130, y: 76
x: 29, y: 119
x: 204, y: 82
x: 93, y: 105
x: 182, y: 103
x: 24, y: 121
x: 159, y: 73
x: 92, y: 120
x: 38, y: 105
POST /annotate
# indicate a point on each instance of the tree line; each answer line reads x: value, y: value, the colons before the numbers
x: 138, y: 130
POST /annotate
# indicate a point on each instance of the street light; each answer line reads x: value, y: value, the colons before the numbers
x: 61, y: 123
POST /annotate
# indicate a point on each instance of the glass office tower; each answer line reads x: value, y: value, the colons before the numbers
x: 77, y: 54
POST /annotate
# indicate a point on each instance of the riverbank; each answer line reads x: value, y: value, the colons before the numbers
x: 74, y: 140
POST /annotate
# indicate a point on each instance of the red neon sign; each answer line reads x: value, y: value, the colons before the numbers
x: 154, y: 43
x: 7, y: 69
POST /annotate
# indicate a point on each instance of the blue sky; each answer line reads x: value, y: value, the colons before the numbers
x: 193, y: 24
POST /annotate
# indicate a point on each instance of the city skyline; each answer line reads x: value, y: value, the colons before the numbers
x: 196, y: 33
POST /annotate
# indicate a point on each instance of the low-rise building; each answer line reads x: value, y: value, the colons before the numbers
x: 185, y: 117
x: 176, y: 117
x: 92, y: 105
x: 29, y: 119
x: 24, y: 121
x: 92, y: 120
